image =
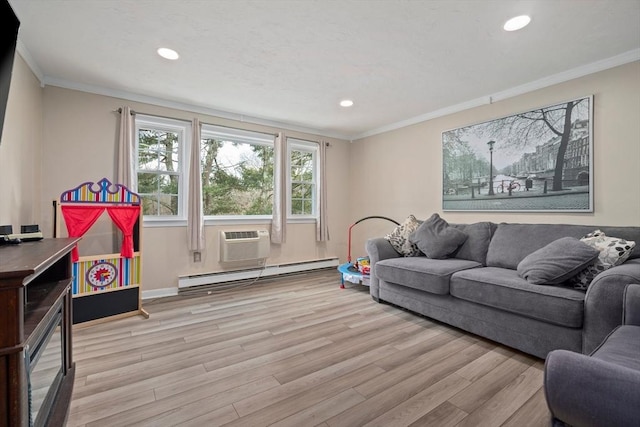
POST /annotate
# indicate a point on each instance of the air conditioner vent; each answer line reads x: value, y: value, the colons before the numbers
x: 233, y: 235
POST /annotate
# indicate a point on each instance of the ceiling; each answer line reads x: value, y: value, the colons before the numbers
x: 291, y: 61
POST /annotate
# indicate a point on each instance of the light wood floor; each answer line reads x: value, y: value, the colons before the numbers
x: 297, y: 351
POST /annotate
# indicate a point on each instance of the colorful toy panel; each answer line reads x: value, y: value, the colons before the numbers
x: 106, y: 274
x: 105, y: 193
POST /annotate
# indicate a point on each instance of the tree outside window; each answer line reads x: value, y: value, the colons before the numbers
x: 237, y: 174
x: 159, y: 168
x: 302, y: 178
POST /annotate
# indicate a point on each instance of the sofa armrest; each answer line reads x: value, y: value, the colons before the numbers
x: 378, y: 249
x: 584, y: 391
x: 603, y: 302
x: 631, y: 314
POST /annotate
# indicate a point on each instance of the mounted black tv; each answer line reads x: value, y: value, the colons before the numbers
x: 9, y: 24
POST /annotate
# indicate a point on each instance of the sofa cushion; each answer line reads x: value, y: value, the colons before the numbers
x: 503, y: 289
x: 436, y: 239
x: 511, y: 242
x: 612, y: 251
x: 431, y: 275
x: 557, y: 262
x: 477, y: 243
x: 399, y: 237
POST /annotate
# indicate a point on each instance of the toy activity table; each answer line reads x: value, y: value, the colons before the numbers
x: 349, y: 272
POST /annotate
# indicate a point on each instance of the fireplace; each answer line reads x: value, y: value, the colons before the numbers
x: 44, y: 364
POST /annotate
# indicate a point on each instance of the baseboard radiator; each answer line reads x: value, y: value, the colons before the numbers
x: 222, y: 279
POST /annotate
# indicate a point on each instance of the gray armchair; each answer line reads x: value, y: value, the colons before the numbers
x: 602, y: 389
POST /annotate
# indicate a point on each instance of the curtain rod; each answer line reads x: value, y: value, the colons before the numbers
x: 133, y: 113
x: 244, y: 130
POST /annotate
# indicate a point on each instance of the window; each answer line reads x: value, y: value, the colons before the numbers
x: 302, y: 178
x: 237, y: 172
x: 160, y: 165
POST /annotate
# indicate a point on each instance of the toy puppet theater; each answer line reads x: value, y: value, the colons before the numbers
x: 105, y: 285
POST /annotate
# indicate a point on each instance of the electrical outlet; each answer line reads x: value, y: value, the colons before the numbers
x: 197, y: 256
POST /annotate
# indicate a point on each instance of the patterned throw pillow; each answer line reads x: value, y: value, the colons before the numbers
x: 613, y: 251
x: 399, y: 237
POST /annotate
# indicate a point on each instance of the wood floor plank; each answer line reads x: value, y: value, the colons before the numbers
x: 208, y: 378
x: 534, y: 413
x: 87, y: 397
x: 422, y: 403
x: 217, y: 417
x: 388, y: 398
x: 488, y: 385
x: 310, y: 381
x: 296, y: 351
x: 292, y: 403
x: 438, y: 357
x: 485, y: 364
x: 323, y: 410
x: 503, y: 404
x: 180, y: 409
x: 445, y: 415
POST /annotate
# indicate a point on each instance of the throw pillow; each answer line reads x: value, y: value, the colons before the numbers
x: 613, y: 251
x: 399, y: 237
x: 557, y: 262
x: 477, y: 244
x: 436, y: 239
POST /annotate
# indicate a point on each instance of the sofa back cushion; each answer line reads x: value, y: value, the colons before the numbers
x: 477, y: 244
x: 512, y: 242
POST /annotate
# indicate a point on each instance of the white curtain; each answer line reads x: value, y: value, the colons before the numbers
x: 125, y: 164
x: 322, y: 226
x: 195, y: 216
x: 279, y: 220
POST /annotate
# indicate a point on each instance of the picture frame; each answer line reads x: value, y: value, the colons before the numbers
x: 541, y: 160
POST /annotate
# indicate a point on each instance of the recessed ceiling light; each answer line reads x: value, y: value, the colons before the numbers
x: 346, y: 103
x: 168, y: 53
x: 517, y: 23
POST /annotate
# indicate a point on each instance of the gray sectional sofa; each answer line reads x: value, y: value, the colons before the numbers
x: 478, y: 289
x: 602, y: 389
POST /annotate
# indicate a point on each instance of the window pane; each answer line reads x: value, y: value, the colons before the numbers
x: 158, y: 150
x: 147, y: 183
x: 149, y: 204
x: 296, y: 207
x: 159, y: 193
x: 301, y: 166
x: 167, y: 204
x: 301, y: 191
x: 237, y: 178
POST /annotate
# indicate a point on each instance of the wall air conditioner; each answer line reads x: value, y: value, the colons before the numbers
x: 244, y: 245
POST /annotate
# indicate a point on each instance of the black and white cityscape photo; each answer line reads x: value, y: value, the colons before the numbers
x: 538, y: 160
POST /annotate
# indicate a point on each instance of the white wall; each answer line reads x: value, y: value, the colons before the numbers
x: 55, y: 139
x: 401, y: 171
x: 80, y: 138
x: 21, y: 150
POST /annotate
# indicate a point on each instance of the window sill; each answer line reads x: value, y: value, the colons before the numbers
x: 152, y: 223
x: 208, y: 222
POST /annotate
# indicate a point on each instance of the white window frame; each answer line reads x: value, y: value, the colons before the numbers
x: 209, y: 131
x: 183, y: 130
x: 294, y: 144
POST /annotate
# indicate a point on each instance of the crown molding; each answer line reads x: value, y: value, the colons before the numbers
x: 26, y: 56
x: 615, y: 61
x: 130, y: 96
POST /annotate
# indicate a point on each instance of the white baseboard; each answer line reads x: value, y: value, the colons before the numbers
x: 269, y: 270
x: 159, y: 293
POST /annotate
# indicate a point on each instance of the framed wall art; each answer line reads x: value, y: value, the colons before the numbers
x: 535, y: 161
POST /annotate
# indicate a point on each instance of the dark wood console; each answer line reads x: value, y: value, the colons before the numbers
x: 36, y: 364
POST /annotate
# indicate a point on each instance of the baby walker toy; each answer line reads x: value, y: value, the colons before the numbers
x: 357, y: 272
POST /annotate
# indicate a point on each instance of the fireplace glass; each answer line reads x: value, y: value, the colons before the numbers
x: 45, y: 370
